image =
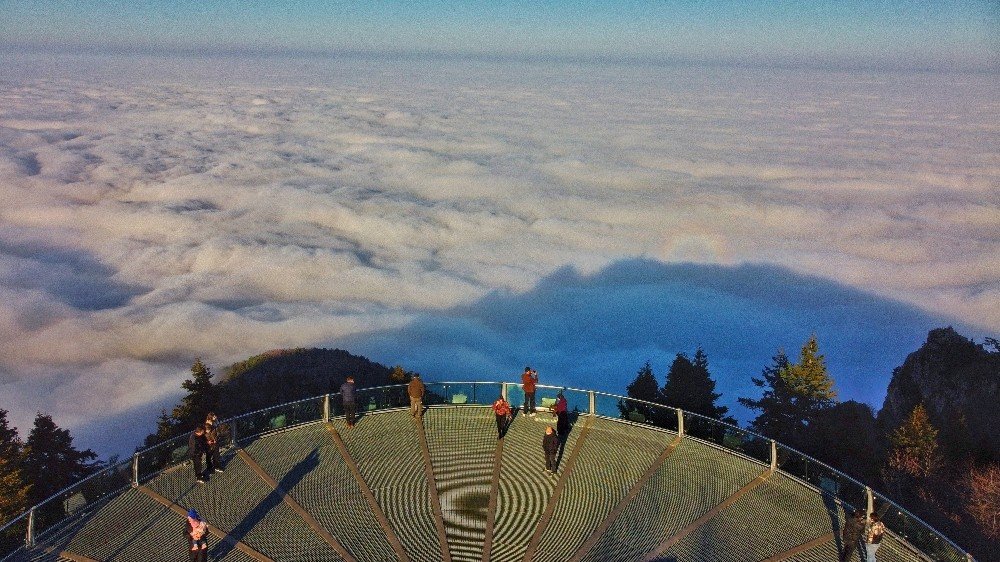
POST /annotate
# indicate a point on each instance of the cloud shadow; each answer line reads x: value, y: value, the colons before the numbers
x: 597, y: 330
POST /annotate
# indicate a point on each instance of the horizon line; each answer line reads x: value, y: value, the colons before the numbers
x: 828, y: 63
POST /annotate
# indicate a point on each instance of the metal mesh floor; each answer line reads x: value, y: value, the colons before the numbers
x: 383, y: 455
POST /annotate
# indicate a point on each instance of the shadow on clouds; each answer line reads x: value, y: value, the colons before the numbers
x: 73, y: 277
x: 595, y: 331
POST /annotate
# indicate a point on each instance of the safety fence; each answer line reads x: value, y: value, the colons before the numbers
x: 75, y: 502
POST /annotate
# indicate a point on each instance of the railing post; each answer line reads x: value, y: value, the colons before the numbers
x: 680, y: 422
x: 774, y: 455
x: 29, y: 538
x: 503, y: 391
x: 135, y: 470
x: 326, y: 408
x: 232, y: 435
x: 593, y: 403
x: 869, y: 501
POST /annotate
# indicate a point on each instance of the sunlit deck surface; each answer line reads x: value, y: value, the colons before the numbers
x: 389, y: 489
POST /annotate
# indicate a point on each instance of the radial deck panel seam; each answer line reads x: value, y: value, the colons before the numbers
x: 307, y: 518
x: 800, y: 548
x: 595, y: 536
x: 491, y: 510
x: 70, y: 555
x: 432, y: 491
x: 390, y: 535
x: 550, y: 508
x: 219, y: 533
x: 665, y: 545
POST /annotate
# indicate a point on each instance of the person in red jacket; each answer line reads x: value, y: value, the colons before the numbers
x: 528, y: 381
x: 503, y: 415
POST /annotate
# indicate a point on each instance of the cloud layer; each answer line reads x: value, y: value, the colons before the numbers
x: 161, y: 209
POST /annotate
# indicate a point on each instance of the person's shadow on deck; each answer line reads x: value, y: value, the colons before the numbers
x: 828, y: 489
x: 506, y: 426
x: 139, y: 532
x: 572, y: 417
x: 272, y: 500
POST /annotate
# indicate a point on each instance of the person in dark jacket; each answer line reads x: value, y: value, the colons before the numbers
x: 213, y: 430
x: 854, y: 527
x: 350, y: 404
x: 196, y: 531
x: 562, y: 416
x: 197, y: 448
x: 550, y: 444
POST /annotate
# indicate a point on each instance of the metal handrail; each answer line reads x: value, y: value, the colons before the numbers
x: 592, y: 411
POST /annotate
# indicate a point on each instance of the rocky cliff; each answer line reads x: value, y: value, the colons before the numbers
x: 958, y: 381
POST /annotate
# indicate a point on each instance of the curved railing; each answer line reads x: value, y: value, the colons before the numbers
x: 74, y: 502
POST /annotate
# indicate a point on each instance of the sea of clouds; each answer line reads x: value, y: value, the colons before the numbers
x: 161, y: 209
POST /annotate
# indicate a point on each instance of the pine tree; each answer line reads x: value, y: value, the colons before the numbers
x: 810, y: 385
x: 398, y: 375
x: 644, y: 387
x: 794, y: 394
x: 838, y: 433
x: 774, y: 418
x: 689, y: 386
x: 914, y: 446
x: 202, y: 398
x: 10, y: 442
x: 51, y: 463
x: 166, y: 428
x: 13, y: 487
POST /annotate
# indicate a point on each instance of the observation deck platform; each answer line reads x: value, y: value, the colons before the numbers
x: 392, y: 489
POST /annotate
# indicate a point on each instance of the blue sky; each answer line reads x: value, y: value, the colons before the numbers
x: 896, y: 33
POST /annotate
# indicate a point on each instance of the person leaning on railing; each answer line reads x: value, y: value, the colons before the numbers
x: 873, y: 538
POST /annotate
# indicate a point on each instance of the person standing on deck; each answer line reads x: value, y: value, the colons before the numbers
x: 854, y: 527
x: 550, y: 445
x: 416, y: 391
x: 562, y: 416
x: 196, y: 531
x: 501, y: 410
x: 198, y: 448
x: 528, y: 381
x: 213, y: 436
x: 350, y: 404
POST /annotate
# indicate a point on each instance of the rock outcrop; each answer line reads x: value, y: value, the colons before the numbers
x: 958, y: 381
